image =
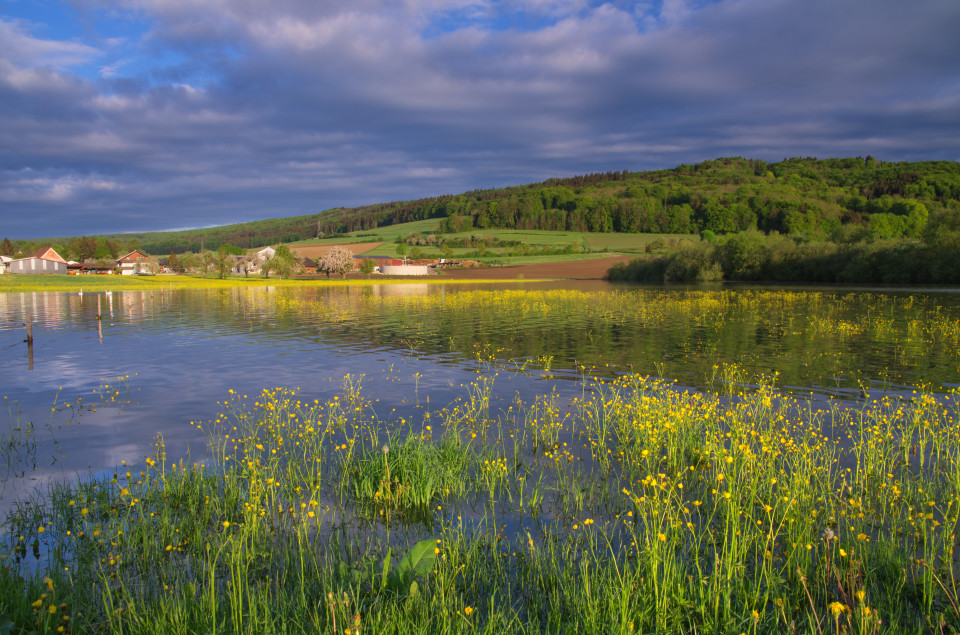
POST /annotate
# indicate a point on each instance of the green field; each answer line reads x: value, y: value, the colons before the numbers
x: 558, y: 240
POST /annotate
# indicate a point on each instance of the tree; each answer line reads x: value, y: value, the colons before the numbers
x: 151, y: 266
x: 402, y: 251
x: 6, y: 247
x: 338, y: 260
x: 206, y: 261
x: 222, y: 260
x: 84, y: 248
x: 190, y: 262
x: 112, y: 248
x: 174, y: 263
x: 284, y: 263
x: 233, y: 250
x: 367, y: 266
x: 103, y: 253
x: 248, y: 262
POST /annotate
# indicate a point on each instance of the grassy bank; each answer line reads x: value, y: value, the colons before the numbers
x: 636, y: 508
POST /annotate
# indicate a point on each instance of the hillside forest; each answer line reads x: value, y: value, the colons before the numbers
x: 838, y: 201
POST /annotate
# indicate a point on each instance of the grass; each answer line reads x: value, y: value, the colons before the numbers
x: 387, y: 233
x: 537, y: 260
x: 636, y: 508
x: 598, y: 242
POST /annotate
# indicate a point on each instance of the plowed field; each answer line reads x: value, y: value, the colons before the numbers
x: 318, y: 251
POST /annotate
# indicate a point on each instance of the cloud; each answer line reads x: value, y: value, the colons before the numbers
x: 233, y: 110
x: 21, y: 49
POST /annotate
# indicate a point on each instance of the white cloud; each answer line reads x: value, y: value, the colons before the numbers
x: 22, y: 49
x: 292, y: 106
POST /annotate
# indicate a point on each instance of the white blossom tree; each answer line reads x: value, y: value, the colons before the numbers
x: 338, y: 260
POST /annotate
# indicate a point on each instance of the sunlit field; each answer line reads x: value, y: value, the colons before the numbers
x: 635, y: 505
x: 101, y: 284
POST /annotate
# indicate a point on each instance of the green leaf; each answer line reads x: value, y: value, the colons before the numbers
x: 386, y: 569
x: 420, y: 559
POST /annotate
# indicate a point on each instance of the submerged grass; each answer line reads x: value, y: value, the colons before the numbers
x: 636, y: 508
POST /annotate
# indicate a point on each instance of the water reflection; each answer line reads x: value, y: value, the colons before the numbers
x: 180, y: 352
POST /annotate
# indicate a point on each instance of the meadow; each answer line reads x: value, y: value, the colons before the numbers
x: 618, y: 502
x: 562, y: 245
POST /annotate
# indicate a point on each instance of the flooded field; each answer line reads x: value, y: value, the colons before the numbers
x: 766, y: 459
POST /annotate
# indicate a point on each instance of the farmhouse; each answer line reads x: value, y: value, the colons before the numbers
x: 253, y: 263
x: 135, y: 262
x: 46, y: 260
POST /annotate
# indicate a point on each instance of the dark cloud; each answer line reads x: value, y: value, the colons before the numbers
x: 243, y: 110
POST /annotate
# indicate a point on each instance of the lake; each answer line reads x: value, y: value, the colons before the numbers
x: 524, y: 457
x: 158, y: 361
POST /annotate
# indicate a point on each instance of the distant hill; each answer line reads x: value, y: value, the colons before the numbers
x: 795, y: 196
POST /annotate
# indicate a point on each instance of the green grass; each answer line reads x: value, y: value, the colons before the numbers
x: 537, y: 260
x: 389, y: 233
x: 626, y: 243
x: 635, y: 509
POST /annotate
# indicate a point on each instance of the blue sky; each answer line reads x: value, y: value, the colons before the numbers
x: 140, y: 115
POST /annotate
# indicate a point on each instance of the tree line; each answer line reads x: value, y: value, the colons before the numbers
x: 933, y: 258
x: 87, y: 249
x: 835, y: 199
x: 809, y: 196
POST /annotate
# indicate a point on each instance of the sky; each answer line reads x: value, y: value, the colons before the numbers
x: 148, y: 115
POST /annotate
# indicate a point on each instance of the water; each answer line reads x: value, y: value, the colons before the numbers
x: 156, y: 362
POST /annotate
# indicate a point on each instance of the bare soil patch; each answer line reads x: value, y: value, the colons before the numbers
x: 319, y: 251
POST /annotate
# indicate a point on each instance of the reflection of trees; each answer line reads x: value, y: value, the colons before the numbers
x: 765, y: 332
x: 807, y: 337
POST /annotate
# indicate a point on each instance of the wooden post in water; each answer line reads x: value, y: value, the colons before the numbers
x: 29, y: 340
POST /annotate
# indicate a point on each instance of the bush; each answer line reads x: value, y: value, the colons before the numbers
x: 693, y: 264
x: 744, y: 256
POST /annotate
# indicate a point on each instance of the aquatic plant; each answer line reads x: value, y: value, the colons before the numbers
x: 637, y: 506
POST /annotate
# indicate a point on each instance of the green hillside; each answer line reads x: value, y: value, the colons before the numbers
x: 727, y: 195
x: 840, y: 199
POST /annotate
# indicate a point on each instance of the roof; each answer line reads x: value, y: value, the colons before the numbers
x: 136, y: 254
x: 48, y: 253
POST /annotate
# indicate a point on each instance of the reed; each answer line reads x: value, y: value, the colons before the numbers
x: 638, y: 507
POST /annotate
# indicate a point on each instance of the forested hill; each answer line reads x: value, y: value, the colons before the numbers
x: 828, y: 197
x: 726, y: 195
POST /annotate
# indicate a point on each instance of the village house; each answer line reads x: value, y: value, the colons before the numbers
x: 136, y: 262
x: 254, y: 265
x: 46, y: 260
